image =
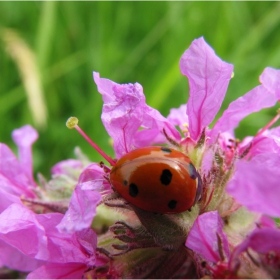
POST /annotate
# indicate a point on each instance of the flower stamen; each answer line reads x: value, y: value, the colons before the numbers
x: 272, y: 122
x: 72, y: 122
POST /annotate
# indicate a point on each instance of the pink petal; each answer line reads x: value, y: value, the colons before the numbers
x: 125, y: 111
x: 260, y: 240
x: 83, y: 203
x: 87, y: 240
x: 260, y: 145
x: 275, y: 133
x: 12, y: 177
x: 58, y: 271
x: 67, y: 167
x: 93, y: 178
x: 179, y: 117
x: 266, y: 222
x: 14, y: 259
x: 207, y: 237
x: 148, y: 137
x: 6, y: 198
x: 270, y: 78
x: 24, y: 137
x: 82, y: 210
x: 65, y: 247
x: 154, y: 124
x: 208, y: 81
x: 264, y: 240
x: 19, y: 226
x: 257, y: 180
x: 260, y: 97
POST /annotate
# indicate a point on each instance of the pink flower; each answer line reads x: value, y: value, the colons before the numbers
x: 82, y: 208
x: 16, y: 176
x: 208, y: 80
x: 239, y: 187
x: 266, y: 243
x: 209, y: 242
x: 207, y: 237
x: 31, y: 241
x: 38, y: 242
x: 257, y: 179
x: 243, y: 168
x: 125, y: 111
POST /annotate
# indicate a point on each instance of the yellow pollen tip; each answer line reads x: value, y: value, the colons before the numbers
x: 232, y: 75
x: 72, y: 122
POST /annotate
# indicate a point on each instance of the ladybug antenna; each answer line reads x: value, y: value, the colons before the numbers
x: 72, y: 122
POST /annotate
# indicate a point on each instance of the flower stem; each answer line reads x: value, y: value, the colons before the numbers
x: 272, y: 122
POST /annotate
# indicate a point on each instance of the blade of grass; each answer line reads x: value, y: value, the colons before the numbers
x: 257, y: 33
x: 11, y: 99
x: 45, y: 32
x: 65, y: 66
x: 162, y: 91
x: 133, y: 58
x: 24, y: 58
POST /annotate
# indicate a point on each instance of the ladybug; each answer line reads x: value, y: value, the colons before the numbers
x: 157, y: 179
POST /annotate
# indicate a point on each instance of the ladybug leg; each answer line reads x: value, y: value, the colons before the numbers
x: 105, y: 168
x: 106, y: 177
x: 115, y: 200
x: 123, y: 205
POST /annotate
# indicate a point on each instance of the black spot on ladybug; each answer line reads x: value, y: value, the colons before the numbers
x: 166, y: 150
x: 192, y: 171
x: 133, y: 190
x: 125, y: 182
x: 172, y: 204
x: 166, y: 177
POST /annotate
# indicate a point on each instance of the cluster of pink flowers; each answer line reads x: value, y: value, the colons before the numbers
x: 47, y: 230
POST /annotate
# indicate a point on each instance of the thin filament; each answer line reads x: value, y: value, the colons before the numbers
x: 108, y: 158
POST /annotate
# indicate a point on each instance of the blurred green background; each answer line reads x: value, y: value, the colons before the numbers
x: 57, y: 45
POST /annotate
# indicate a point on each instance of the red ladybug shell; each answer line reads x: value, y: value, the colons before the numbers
x: 157, y: 179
